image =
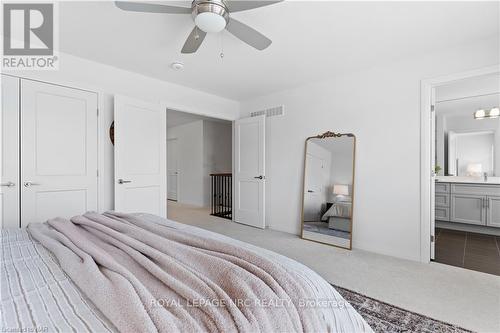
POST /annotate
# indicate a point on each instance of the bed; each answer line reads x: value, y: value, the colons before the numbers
x: 141, y: 273
x: 339, y: 215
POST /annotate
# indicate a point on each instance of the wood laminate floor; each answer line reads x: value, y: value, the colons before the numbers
x: 469, y: 250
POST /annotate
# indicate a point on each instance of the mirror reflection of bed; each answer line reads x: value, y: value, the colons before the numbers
x: 328, y: 189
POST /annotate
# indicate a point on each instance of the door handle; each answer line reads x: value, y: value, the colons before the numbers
x: 310, y: 191
x: 30, y: 183
x: 259, y: 177
x: 121, y: 181
x: 8, y: 184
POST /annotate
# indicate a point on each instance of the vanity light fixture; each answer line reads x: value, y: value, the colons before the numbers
x: 494, y: 113
x: 483, y: 114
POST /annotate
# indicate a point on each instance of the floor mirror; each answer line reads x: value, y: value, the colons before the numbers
x: 328, y: 189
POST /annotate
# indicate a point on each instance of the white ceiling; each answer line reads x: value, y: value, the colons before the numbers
x: 177, y: 118
x: 475, y: 86
x: 311, y: 40
x: 463, y: 97
x: 467, y: 106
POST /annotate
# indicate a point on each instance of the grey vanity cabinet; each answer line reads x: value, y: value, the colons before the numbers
x: 493, y: 215
x: 477, y: 204
x: 442, y: 199
x: 468, y: 208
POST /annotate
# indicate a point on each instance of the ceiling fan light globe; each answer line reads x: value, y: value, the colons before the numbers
x: 210, y: 22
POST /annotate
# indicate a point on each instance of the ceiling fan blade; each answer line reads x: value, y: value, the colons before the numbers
x: 249, y: 35
x: 240, y: 5
x: 194, y: 41
x: 151, y: 8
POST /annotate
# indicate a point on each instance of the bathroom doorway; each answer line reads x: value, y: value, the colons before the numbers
x: 466, y: 166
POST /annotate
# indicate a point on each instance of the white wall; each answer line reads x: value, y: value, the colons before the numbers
x: 190, y: 162
x: 217, y: 152
x: 342, y: 161
x: 381, y: 107
x: 108, y: 81
x: 204, y: 147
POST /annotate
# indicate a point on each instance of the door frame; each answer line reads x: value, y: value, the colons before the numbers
x: 177, y: 142
x: 427, y: 203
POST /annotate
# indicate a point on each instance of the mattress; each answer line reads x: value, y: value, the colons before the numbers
x: 37, y: 294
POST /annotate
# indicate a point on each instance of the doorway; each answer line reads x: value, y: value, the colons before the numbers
x: 197, y: 147
x: 463, y: 155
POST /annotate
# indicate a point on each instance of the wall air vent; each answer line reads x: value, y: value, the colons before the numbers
x: 271, y: 112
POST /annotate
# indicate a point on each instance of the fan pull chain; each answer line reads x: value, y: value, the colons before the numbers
x: 222, y: 45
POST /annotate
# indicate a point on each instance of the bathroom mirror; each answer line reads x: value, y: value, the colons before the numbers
x: 328, y: 189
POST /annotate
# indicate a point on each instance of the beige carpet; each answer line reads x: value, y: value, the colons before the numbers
x: 454, y: 295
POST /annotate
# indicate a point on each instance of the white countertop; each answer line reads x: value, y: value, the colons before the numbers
x: 468, y: 180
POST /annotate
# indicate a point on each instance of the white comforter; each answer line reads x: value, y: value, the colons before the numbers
x: 36, y: 294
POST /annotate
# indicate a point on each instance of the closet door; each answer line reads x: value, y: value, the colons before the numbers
x: 9, y: 145
x: 58, y: 151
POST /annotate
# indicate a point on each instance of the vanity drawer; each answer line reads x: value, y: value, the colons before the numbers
x: 442, y: 213
x: 442, y: 199
x: 475, y: 189
x: 442, y: 187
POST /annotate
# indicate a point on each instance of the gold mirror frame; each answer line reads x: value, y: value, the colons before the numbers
x: 325, y: 135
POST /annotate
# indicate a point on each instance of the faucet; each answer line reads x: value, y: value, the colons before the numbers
x: 485, y: 174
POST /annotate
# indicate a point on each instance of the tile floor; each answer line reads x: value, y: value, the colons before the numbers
x: 469, y: 250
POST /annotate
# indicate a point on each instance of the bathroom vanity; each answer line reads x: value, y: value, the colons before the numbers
x: 469, y: 201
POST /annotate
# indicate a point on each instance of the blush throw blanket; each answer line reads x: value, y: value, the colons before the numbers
x: 148, y: 275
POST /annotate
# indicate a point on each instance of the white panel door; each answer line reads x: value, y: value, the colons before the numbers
x: 58, y: 151
x: 313, y: 188
x: 172, y: 168
x: 9, y: 145
x: 249, y: 175
x: 140, y: 157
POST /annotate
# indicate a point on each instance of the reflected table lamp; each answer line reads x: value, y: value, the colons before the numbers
x: 340, y: 191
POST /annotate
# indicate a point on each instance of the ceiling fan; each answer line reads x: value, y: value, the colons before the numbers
x: 209, y: 16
